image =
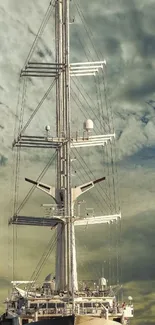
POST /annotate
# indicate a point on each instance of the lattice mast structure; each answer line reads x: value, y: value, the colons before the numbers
x: 64, y: 195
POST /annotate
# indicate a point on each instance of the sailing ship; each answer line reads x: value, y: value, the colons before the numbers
x: 62, y: 299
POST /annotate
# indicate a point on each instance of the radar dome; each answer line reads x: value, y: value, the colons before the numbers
x: 88, y: 125
x: 130, y: 298
x: 102, y: 282
x: 47, y: 128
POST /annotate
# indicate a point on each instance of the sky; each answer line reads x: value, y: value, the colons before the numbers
x: 122, y: 33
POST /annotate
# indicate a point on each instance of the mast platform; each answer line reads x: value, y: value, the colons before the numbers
x: 54, y: 221
x: 35, y: 221
x: 55, y: 143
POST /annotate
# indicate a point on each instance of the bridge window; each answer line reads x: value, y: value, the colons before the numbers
x: 43, y: 305
x: 96, y: 304
x: 50, y: 305
x: 33, y: 305
x: 87, y: 304
x: 60, y: 305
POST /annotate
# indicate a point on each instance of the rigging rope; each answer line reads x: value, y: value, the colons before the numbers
x: 86, y: 101
x: 34, y: 186
x: 40, y: 31
x: 17, y: 164
x: 17, y: 171
x: 111, y: 160
x: 18, y: 149
x: 105, y: 163
x: 17, y: 175
x: 117, y: 253
x: 120, y: 251
x: 17, y: 106
x: 48, y: 250
x: 88, y: 173
x: 114, y: 261
x: 109, y: 255
x: 44, y: 258
x: 83, y: 46
x: 108, y: 100
x: 87, y: 29
x: 82, y: 178
x: 100, y: 103
x: 38, y: 106
x: 89, y: 33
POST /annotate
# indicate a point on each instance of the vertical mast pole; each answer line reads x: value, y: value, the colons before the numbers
x: 61, y: 272
x: 70, y: 229
x: 64, y: 253
x: 71, y: 256
x: 67, y: 131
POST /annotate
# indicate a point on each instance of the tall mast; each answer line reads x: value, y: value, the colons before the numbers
x: 63, y: 194
x: 63, y: 131
x: 61, y: 143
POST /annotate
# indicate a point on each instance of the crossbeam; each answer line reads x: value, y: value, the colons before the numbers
x: 96, y: 220
x: 37, y: 142
x: 36, y: 221
x: 54, y: 221
x: 77, y: 64
x: 37, y: 69
x: 53, y: 142
x: 86, y: 68
x: 97, y: 140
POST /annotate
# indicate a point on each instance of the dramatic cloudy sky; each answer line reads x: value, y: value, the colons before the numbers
x: 123, y: 34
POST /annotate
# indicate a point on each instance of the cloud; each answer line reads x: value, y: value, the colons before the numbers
x: 122, y: 33
x: 135, y: 250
